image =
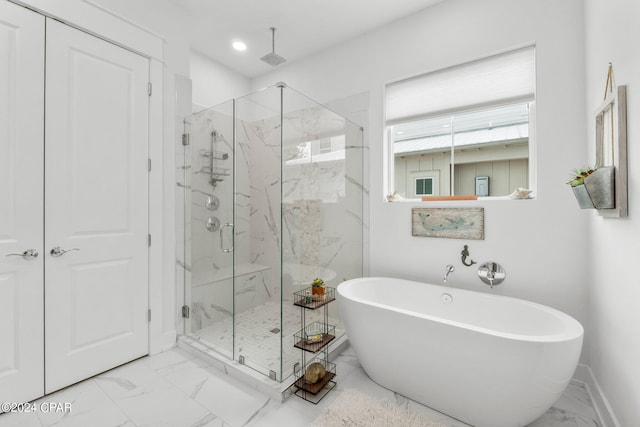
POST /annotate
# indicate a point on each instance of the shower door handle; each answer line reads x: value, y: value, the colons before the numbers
x: 226, y: 250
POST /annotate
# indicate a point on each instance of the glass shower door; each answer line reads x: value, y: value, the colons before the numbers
x: 208, y: 217
x: 258, y: 217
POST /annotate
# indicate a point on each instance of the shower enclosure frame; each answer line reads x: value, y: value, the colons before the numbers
x: 319, y: 198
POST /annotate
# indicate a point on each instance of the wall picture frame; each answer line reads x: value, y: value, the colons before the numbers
x: 611, y: 146
x: 450, y: 223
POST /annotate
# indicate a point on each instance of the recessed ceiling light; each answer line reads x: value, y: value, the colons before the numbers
x: 239, y: 46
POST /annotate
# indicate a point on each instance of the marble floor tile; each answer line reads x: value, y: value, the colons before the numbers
x: 167, y: 360
x: 176, y: 389
x: 89, y: 405
x: 573, y: 409
x: 576, y: 399
x: 190, y: 376
x: 165, y: 408
x: 131, y: 380
x: 294, y: 413
x: 233, y: 402
x: 560, y: 417
x: 20, y: 419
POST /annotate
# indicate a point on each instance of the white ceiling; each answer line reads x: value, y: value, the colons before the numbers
x: 304, y: 27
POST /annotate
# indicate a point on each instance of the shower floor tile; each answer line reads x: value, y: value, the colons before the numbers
x: 255, y: 339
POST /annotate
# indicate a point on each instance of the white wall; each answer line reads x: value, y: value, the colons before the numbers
x: 214, y: 83
x: 539, y: 242
x: 612, y: 36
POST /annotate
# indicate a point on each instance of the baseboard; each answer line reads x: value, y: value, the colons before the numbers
x: 603, y: 409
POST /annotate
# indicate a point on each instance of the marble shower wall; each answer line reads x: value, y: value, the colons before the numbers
x: 323, y: 194
x: 323, y: 198
x: 316, y: 207
x: 210, y: 157
x: 258, y: 189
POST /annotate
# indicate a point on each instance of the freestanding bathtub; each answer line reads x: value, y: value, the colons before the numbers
x: 487, y: 360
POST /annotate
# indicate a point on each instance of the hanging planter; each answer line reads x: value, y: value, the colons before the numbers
x: 594, y: 188
x: 582, y: 196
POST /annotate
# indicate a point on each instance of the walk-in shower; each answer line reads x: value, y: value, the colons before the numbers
x: 273, y: 199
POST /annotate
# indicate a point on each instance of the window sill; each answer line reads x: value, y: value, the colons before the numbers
x: 456, y: 200
x: 446, y: 198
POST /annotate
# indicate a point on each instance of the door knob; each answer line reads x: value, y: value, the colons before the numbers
x: 28, y: 254
x: 58, y: 251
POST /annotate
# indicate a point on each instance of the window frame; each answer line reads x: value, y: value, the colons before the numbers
x: 388, y: 140
x: 424, y: 180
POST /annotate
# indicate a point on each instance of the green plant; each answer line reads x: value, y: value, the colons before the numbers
x: 317, y: 282
x: 578, y: 175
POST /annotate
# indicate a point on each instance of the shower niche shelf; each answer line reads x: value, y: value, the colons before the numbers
x: 313, y: 340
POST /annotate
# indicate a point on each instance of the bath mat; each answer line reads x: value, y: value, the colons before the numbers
x: 352, y: 408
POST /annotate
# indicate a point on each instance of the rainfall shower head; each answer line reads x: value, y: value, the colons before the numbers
x: 273, y: 58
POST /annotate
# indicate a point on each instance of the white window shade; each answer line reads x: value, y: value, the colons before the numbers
x: 499, y: 79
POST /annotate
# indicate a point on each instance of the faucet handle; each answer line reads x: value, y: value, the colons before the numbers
x: 491, y: 273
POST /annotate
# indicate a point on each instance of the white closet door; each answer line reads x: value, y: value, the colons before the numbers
x: 21, y: 174
x: 96, y: 184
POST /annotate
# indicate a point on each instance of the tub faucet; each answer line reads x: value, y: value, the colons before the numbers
x: 449, y: 269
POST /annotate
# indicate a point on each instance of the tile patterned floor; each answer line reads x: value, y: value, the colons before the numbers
x: 255, y: 339
x: 175, y: 389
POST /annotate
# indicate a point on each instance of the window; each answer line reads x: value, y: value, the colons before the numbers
x: 319, y: 150
x: 424, y: 186
x: 423, y: 183
x: 461, y: 123
x: 324, y: 146
x: 315, y: 169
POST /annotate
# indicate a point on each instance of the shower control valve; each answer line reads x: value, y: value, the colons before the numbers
x: 211, y: 203
x: 213, y: 224
x: 491, y: 273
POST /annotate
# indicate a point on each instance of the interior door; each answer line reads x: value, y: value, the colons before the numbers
x: 96, y: 202
x: 21, y: 159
